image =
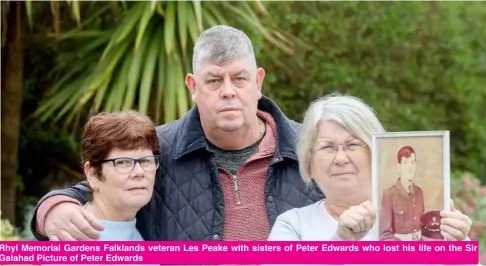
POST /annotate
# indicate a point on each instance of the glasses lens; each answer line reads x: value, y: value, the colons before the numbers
x: 150, y: 163
x: 124, y: 165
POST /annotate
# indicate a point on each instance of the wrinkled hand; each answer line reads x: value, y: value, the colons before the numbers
x: 355, y: 222
x: 454, y: 225
x: 69, y: 221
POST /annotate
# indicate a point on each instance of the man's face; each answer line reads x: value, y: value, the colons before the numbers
x: 226, y: 95
x: 407, y: 168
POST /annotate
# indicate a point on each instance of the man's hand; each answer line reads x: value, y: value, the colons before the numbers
x: 69, y: 221
x: 355, y: 222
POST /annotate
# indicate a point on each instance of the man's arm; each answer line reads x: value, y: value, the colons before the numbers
x: 77, y: 194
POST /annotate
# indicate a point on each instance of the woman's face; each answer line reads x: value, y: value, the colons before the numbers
x: 344, y: 174
x: 121, y: 188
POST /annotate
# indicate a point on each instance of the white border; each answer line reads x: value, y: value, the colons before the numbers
x: 410, y: 134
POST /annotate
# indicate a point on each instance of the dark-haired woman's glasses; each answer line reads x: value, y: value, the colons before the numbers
x: 125, y: 165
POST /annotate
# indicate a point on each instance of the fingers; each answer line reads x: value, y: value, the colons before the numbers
x: 82, y: 229
x: 93, y: 221
x: 456, y: 224
x: 65, y: 236
x: 453, y: 208
x: 447, y: 236
x: 359, y: 218
x: 458, y: 221
x: 369, y: 206
x: 371, y: 213
x: 54, y: 238
x: 349, y: 222
x: 456, y: 215
x: 450, y: 233
x: 67, y: 221
x: 457, y: 229
x: 76, y: 230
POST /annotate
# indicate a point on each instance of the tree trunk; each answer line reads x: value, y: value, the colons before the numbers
x: 12, y: 64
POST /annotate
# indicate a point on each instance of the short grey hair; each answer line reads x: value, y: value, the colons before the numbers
x: 221, y: 44
x: 358, y: 118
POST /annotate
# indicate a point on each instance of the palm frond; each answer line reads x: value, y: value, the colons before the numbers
x: 143, y: 60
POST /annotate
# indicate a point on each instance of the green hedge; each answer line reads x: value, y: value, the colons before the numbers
x: 421, y: 65
x: 470, y: 198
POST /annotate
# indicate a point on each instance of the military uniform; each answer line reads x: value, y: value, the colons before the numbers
x: 431, y: 226
x: 401, y: 212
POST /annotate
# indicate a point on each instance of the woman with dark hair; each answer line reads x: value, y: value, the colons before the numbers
x: 120, y: 157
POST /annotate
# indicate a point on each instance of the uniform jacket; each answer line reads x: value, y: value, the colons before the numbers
x: 187, y: 203
x: 401, y: 211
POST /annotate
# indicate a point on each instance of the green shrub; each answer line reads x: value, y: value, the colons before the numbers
x: 420, y: 65
x: 470, y: 198
x: 7, y: 230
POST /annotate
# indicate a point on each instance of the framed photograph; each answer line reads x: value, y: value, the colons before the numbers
x: 411, y: 184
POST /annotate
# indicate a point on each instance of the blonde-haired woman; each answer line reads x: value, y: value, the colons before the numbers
x: 334, y: 151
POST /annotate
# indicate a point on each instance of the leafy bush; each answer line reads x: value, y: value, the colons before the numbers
x: 420, y: 65
x: 7, y: 230
x: 470, y: 198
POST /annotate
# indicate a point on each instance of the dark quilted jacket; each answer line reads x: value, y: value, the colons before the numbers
x: 187, y: 203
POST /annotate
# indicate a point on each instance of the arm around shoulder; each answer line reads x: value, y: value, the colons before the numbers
x: 286, y: 227
x: 76, y: 194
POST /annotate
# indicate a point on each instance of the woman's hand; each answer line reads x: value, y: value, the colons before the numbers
x: 454, y: 225
x: 355, y: 222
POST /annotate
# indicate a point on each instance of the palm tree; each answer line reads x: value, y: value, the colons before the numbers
x: 140, y: 62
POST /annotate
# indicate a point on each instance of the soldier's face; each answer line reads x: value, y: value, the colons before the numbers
x: 407, y: 168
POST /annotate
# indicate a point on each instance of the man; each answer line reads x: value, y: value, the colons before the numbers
x: 402, y: 203
x: 228, y: 168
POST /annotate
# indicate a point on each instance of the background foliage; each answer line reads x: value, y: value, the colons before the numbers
x: 470, y: 198
x: 420, y: 65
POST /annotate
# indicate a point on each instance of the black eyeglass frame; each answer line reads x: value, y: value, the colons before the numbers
x: 113, y: 160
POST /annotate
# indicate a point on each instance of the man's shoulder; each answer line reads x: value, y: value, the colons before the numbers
x: 296, y: 125
x: 267, y: 105
x: 168, y: 131
x: 418, y: 189
x: 391, y: 189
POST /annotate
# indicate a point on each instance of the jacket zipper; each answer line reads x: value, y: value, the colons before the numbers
x: 237, y: 193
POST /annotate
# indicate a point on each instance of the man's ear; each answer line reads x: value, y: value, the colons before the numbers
x: 93, y: 180
x: 260, y: 77
x: 191, y: 85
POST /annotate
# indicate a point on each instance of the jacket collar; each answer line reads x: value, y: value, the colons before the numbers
x: 190, y: 135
